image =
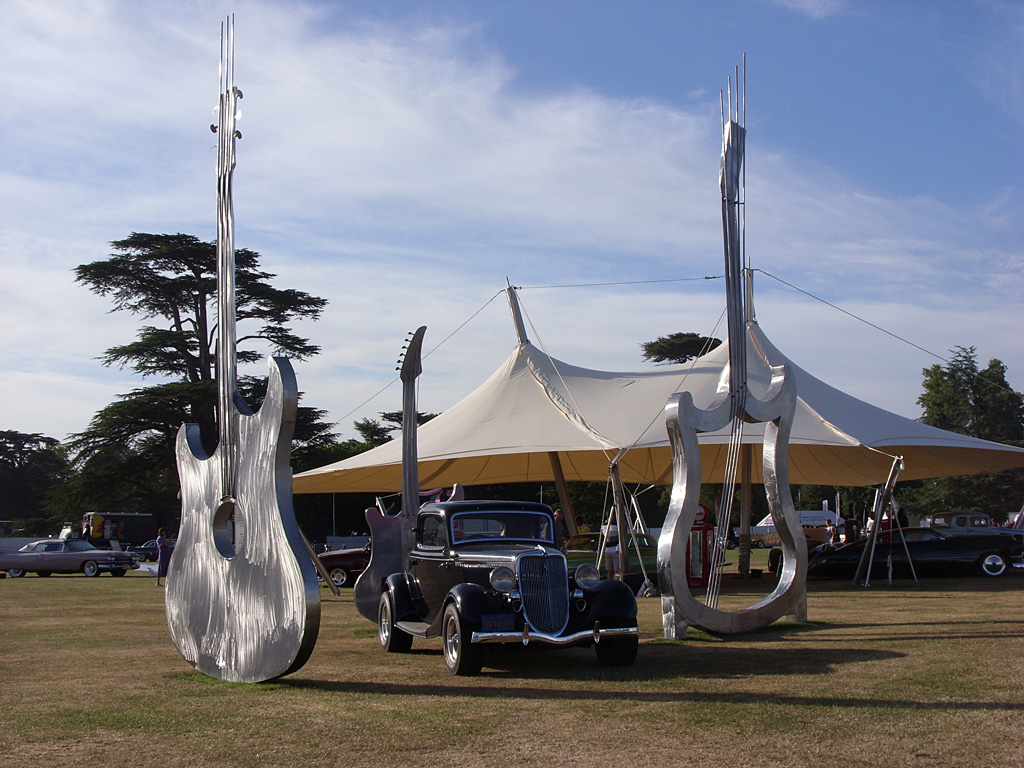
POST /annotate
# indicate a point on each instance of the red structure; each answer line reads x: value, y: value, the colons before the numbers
x: 698, y: 550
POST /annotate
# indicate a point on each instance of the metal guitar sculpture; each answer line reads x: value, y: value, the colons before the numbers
x: 392, y: 535
x: 243, y: 603
x: 734, y: 404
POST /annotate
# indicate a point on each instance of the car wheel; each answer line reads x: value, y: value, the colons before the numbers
x: 43, y: 574
x: 617, y: 651
x: 338, y: 575
x: 730, y: 545
x: 117, y: 571
x: 89, y: 568
x: 392, y: 639
x: 460, y: 655
x: 15, y: 573
x: 993, y: 564
x: 760, y: 545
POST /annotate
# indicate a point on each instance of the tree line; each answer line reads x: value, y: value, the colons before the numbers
x: 124, y: 460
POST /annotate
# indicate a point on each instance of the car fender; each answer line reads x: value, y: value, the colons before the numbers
x: 610, y: 599
x: 397, y: 584
x: 473, y: 602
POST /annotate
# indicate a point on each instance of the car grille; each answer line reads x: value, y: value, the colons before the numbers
x: 544, y: 589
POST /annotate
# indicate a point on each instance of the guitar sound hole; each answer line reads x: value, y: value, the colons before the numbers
x: 227, y: 529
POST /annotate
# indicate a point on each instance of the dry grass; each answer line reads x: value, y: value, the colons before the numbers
x: 906, y: 675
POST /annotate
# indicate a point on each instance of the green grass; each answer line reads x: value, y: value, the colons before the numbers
x: 903, y: 675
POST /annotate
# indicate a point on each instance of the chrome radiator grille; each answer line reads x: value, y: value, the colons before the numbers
x: 544, y: 588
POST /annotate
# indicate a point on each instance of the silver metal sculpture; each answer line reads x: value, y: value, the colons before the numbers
x: 243, y: 603
x: 734, y: 404
x: 393, y: 535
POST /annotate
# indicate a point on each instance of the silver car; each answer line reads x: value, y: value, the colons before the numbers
x: 65, y: 556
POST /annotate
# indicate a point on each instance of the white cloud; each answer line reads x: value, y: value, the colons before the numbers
x: 816, y: 9
x: 399, y: 173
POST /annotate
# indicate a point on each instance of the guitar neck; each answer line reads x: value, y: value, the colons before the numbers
x: 411, y: 369
x: 227, y: 378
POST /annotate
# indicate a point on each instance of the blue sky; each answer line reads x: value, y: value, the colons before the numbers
x: 402, y: 159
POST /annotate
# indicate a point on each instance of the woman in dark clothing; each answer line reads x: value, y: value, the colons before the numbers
x: 163, y: 548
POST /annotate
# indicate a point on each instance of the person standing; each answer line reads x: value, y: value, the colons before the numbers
x: 163, y: 550
x: 830, y: 533
x: 561, y: 530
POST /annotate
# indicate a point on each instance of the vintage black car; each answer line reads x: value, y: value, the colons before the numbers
x: 489, y: 572
x: 149, y: 552
x: 932, y: 552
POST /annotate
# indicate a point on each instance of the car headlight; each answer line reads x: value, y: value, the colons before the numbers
x: 587, y: 576
x: 503, y: 578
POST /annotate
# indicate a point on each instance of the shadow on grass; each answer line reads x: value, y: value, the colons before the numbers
x: 656, y: 662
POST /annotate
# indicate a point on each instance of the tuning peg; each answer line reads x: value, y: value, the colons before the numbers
x: 238, y: 93
x: 213, y: 128
x: 238, y: 134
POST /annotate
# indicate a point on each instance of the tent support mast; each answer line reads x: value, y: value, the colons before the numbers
x: 563, y: 493
x: 746, y: 455
x: 621, y: 523
x: 883, y: 499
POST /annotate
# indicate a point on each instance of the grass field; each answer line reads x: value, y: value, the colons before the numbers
x: 901, y: 675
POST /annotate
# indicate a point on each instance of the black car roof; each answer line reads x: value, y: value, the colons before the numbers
x: 489, y: 505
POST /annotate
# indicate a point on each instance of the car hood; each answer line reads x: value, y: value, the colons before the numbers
x: 503, y: 554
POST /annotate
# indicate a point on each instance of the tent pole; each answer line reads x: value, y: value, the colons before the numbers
x: 563, y: 493
x: 620, y: 522
x: 746, y: 454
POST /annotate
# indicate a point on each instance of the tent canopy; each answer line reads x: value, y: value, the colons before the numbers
x: 535, y: 405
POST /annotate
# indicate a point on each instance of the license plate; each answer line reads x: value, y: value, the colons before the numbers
x: 497, y: 622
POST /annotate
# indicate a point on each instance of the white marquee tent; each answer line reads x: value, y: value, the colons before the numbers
x: 535, y: 406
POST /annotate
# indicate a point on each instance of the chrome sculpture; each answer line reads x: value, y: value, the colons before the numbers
x: 733, y: 405
x: 243, y: 603
x: 393, y: 535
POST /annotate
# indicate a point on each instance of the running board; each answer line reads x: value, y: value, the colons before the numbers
x: 415, y: 628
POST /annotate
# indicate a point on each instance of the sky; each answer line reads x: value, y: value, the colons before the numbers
x: 403, y: 160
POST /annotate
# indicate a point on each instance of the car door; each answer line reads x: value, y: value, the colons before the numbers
x: 430, y: 563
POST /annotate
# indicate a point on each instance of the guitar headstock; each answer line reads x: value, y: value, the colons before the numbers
x: 411, y: 365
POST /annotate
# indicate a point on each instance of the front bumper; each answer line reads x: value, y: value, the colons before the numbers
x: 528, y: 636
x: 113, y: 566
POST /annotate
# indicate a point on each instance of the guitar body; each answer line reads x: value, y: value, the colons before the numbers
x: 387, y: 556
x: 243, y: 602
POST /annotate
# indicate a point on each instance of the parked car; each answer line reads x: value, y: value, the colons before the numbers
x: 65, y: 556
x: 345, y: 565
x: 975, y: 524
x: 930, y: 550
x: 148, y: 552
x: 484, y: 572
x: 583, y: 548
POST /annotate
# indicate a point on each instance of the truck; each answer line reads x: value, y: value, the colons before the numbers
x: 813, y: 521
x: 118, y: 530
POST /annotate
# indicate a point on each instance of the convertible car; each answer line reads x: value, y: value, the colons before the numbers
x: 930, y: 550
x: 65, y: 556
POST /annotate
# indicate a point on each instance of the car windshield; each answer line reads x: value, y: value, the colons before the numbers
x: 487, y: 526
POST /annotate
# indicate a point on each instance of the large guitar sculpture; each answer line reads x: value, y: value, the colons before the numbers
x: 243, y: 602
x: 734, y: 404
x: 392, y: 535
